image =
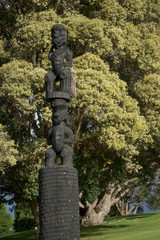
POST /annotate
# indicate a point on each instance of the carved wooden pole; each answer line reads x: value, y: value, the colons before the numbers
x: 58, y: 184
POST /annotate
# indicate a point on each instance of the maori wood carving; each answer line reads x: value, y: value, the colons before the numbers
x: 58, y: 92
x: 58, y: 185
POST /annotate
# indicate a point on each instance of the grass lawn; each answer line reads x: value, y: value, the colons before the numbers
x: 138, y: 227
x: 26, y: 235
x: 133, y: 227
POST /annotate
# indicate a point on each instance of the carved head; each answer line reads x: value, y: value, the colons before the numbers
x: 59, y: 110
x: 59, y: 35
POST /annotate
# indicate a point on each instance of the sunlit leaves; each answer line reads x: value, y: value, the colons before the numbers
x: 116, y: 52
x: 114, y: 116
x: 8, y: 151
x: 148, y: 91
x: 33, y: 36
x: 15, y: 86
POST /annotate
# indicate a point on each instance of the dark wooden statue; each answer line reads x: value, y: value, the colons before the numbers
x: 59, y: 135
x: 58, y: 184
x: 61, y: 58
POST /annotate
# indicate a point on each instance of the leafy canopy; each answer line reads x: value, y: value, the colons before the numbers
x: 115, y: 118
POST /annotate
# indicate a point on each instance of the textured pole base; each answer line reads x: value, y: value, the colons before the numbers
x: 59, y: 203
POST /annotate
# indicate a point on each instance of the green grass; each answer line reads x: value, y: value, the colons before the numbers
x: 26, y: 235
x: 138, y: 227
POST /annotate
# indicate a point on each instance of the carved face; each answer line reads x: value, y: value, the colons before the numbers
x: 59, y: 36
x: 58, y: 137
x: 60, y: 113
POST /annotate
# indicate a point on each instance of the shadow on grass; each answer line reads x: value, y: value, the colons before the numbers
x: 109, y: 228
x: 26, y: 235
x: 145, y: 215
x: 132, y: 217
x: 100, y: 230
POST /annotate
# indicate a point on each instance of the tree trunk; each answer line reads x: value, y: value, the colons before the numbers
x: 34, y: 56
x: 135, y: 210
x: 97, y: 211
x: 35, y: 211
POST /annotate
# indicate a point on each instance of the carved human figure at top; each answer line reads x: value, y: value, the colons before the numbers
x: 61, y: 58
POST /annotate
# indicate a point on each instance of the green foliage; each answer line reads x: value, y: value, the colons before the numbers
x: 33, y: 35
x: 22, y: 95
x: 141, y: 10
x: 3, y: 53
x: 148, y: 92
x: 88, y: 35
x: 114, y: 116
x: 8, y: 151
x: 15, y: 85
x: 24, y: 224
x: 5, y: 220
x: 153, y: 200
x: 23, y: 219
x: 103, y: 10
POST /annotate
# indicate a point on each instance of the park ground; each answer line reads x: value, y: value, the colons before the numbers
x: 133, y: 227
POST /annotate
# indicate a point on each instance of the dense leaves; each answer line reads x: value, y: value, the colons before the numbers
x: 115, y: 117
x: 8, y: 151
x: 5, y: 220
x: 148, y: 91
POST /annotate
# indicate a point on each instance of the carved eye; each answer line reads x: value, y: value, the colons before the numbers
x: 63, y: 33
x: 56, y: 34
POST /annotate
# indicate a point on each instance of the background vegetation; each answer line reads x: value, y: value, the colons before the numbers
x: 5, y: 220
x: 139, y: 226
x: 115, y: 117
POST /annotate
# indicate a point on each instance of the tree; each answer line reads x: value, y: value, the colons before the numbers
x: 5, y: 220
x: 153, y: 200
x: 149, y: 97
x: 134, y: 199
x: 23, y: 218
x: 115, y: 117
x: 8, y: 151
x: 18, y: 107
